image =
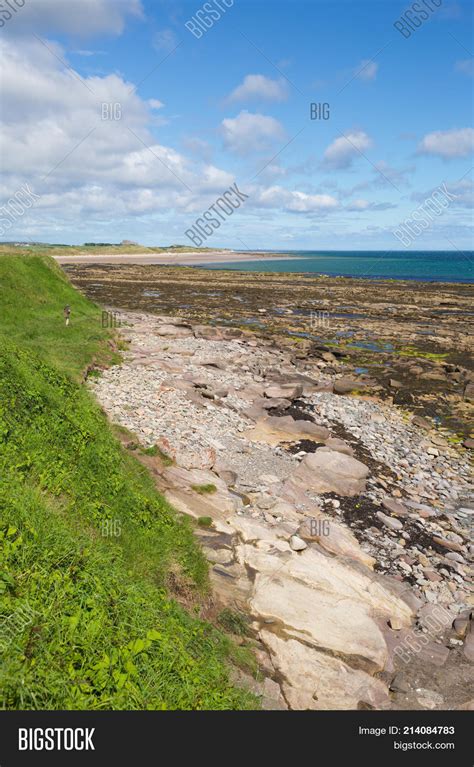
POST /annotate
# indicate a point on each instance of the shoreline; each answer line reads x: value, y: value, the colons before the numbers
x: 224, y: 261
x: 169, y: 258
x: 409, y: 341
x: 307, y: 497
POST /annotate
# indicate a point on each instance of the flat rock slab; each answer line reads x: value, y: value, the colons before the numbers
x: 330, y: 471
x: 273, y: 429
x: 316, y: 681
x: 174, y: 331
x: 323, y: 602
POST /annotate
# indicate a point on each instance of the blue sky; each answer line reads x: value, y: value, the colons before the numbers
x: 198, y: 112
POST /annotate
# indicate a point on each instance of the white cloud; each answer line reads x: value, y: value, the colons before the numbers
x: 96, y: 176
x: 367, y: 70
x: 343, y: 150
x: 295, y: 201
x: 259, y: 87
x: 58, y: 142
x: 359, y: 205
x: 250, y: 132
x: 448, y: 144
x: 78, y: 18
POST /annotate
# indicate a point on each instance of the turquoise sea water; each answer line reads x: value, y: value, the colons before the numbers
x: 428, y: 266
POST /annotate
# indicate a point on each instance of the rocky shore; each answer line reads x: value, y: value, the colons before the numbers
x: 409, y: 343
x: 337, y: 524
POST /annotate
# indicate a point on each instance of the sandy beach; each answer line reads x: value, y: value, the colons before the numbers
x: 170, y: 257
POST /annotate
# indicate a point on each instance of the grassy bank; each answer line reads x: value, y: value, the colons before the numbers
x: 88, y: 547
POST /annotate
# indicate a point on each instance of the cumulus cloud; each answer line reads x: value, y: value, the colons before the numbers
x: 448, y: 144
x: 259, y: 87
x: 250, y: 132
x: 95, y: 175
x: 58, y: 141
x: 295, y: 201
x: 78, y: 18
x: 343, y: 150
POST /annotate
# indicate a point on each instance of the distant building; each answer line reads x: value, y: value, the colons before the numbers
x: 128, y: 242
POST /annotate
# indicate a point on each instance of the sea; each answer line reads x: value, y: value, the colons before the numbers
x: 422, y: 265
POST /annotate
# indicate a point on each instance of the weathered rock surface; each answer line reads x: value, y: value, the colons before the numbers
x: 302, y: 535
x: 331, y: 471
x: 316, y: 681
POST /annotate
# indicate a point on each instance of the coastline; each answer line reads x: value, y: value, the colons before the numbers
x: 304, y: 493
x: 405, y: 341
x: 170, y: 258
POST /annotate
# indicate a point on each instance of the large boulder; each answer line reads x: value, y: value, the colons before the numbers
x: 329, y: 471
x: 284, y: 391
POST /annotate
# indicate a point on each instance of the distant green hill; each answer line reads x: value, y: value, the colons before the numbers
x: 86, y: 620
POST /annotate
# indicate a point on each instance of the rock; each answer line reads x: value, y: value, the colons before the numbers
x: 394, y: 507
x: 460, y: 626
x: 318, y: 598
x: 347, y: 385
x: 451, y: 545
x: 423, y: 423
x: 272, y: 698
x: 453, y: 556
x: 274, y: 429
x: 467, y: 706
x: 429, y: 698
x: 469, y: 443
x: 218, y: 504
x: 395, y: 623
x: 181, y: 330
x: 208, y: 332
x: 393, y: 524
x: 339, y: 446
x: 327, y: 472
x: 212, y: 363
x: 335, y: 538
x: 469, y: 646
x: 394, y: 384
x: 316, y: 681
x: 399, y: 683
x: 297, y: 544
x: 469, y: 392
x: 434, y: 653
x: 228, y: 475
x: 284, y: 391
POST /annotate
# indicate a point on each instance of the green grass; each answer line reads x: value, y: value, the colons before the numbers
x: 204, y: 489
x: 205, y: 521
x: 89, y: 550
x: 33, y: 294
